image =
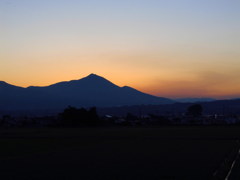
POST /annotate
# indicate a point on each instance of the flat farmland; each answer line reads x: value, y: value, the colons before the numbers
x: 118, y: 153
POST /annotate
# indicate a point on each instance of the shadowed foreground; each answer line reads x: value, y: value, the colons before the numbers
x: 118, y: 153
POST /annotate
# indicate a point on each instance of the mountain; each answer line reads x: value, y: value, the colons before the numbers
x: 5, y: 86
x: 11, y: 96
x: 194, y: 100
x: 229, y: 107
x: 92, y: 90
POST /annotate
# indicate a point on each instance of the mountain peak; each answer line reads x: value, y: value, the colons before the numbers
x: 94, y: 76
x: 96, y: 80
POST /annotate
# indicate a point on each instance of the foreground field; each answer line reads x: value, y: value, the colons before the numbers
x: 118, y: 153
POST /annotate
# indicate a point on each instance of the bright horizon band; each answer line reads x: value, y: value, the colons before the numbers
x: 172, y: 49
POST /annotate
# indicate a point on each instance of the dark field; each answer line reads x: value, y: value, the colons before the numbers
x: 118, y: 153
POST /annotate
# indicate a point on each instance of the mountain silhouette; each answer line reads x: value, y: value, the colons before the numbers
x: 194, y: 100
x: 92, y: 90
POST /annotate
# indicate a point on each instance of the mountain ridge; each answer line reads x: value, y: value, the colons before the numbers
x: 92, y: 90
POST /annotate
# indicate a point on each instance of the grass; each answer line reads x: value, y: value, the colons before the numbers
x: 115, y: 153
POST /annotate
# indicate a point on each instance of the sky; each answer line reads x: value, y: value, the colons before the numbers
x: 173, y: 48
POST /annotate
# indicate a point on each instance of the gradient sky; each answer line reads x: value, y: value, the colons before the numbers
x: 171, y: 48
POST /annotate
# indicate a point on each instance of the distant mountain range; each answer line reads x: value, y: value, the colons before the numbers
x: 92, y: 90
x: 194, y: 100
x: 221, y: 107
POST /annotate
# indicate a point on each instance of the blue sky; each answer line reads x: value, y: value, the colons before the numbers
x: 170, y: 48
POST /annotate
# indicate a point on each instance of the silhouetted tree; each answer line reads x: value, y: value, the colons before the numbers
x: 131, y: 117
x: 195, y: 110
x: 93, y: 116
x: 72, y: 116
x: 159, y: 120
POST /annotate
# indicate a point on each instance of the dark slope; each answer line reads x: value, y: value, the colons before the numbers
x: 92, y: 90
x: 194, y: 100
